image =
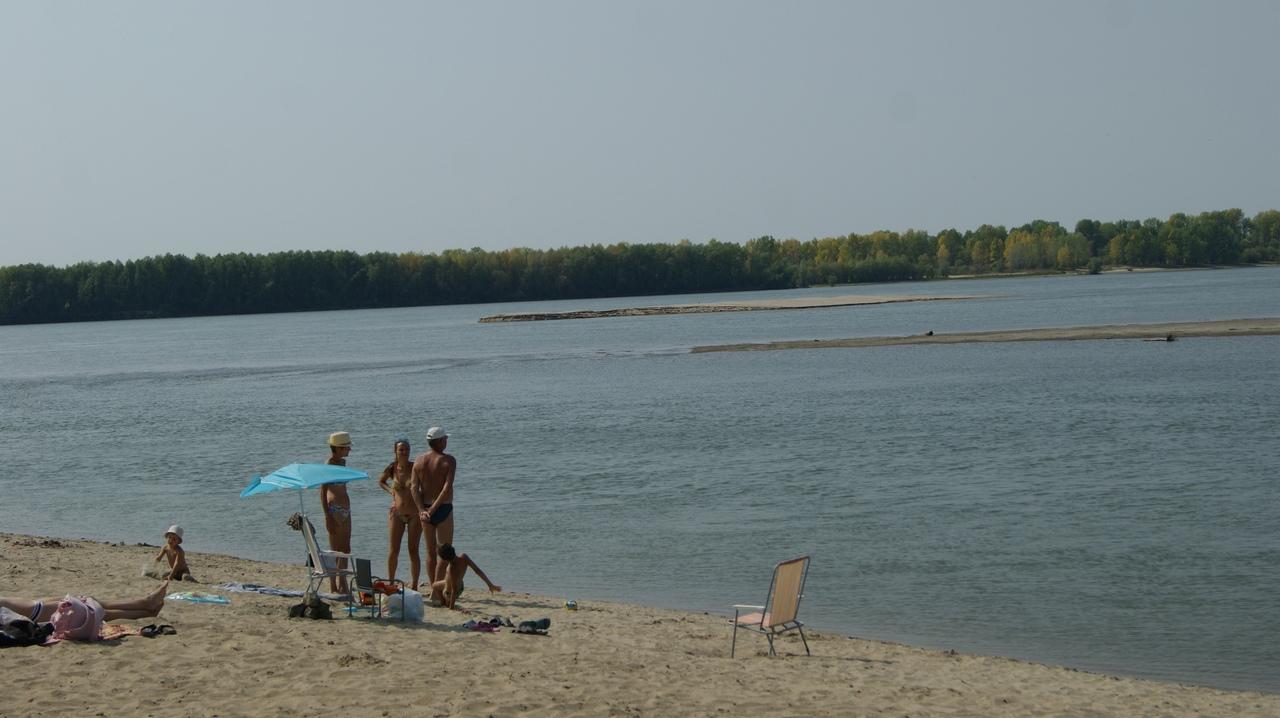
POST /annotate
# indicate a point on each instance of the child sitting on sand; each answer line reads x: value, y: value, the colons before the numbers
x: 446, y: 591
x: 177, y: 569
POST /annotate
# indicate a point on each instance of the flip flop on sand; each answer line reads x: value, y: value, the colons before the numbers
x: 152, y: 630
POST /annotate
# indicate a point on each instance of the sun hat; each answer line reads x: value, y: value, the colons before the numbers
x: 176, y: 530
x: 436, y: 432
x: 77, y: 619
x: 340, y: 438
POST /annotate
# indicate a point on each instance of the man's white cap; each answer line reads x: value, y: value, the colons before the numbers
x: 175, y: 530
x: 436, y: 432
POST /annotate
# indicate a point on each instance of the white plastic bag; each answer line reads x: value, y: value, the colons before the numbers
x: 408, y: 608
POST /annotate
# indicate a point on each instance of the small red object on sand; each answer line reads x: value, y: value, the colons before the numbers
x: 388, y: 587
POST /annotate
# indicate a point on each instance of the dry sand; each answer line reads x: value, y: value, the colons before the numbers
x: 248, y: 659
x: 1177, y: 330
x: 746, y: 305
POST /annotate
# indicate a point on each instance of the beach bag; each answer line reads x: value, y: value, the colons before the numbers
x: 18, y: 630
x: 403, y: 607
x: 311, y: 607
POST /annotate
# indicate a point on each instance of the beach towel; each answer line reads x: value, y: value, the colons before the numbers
x: 112, y: 631
x: 258, y: 588
x: 199, y: 597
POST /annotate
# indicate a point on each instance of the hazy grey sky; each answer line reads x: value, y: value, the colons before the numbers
x: 138, y: 128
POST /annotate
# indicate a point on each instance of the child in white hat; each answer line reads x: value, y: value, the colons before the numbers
x: 172, y: 550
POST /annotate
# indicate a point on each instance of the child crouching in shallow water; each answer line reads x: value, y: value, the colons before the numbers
x: 446, y: 591
x: 177, y: 568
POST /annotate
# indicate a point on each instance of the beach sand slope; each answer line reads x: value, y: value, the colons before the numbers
x: 249, y: 659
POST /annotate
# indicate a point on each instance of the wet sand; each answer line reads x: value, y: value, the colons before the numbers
x: 1147, y: 332
x: 748, y: 305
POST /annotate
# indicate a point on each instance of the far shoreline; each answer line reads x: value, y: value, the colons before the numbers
x: 152, y: 316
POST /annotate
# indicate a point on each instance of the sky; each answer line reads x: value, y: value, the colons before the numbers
x: 131, y: 129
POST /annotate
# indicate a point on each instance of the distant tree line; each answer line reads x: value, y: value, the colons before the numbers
x: 175, y: 285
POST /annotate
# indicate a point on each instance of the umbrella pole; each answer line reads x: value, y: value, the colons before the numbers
x: 303, y: 509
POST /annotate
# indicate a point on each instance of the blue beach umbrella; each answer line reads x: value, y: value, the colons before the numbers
x: 301, y: 476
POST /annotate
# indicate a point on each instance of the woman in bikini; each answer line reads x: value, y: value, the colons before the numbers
x: 403, y: 513
x: 337, y: 507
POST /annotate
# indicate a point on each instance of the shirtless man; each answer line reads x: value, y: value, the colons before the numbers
x: 433, y: 494
x: 337, y: 507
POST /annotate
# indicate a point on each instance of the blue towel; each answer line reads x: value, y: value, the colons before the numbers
x: 257, y: 588
x: 198, y: 597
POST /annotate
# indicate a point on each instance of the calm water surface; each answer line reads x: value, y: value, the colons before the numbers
x: 1109, y: 505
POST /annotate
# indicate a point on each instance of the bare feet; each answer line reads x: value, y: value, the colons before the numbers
x: 155, y: 600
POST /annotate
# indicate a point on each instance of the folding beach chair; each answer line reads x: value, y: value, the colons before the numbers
x: 778, y: 614
x: 370, y: 589
x: 324, y: 564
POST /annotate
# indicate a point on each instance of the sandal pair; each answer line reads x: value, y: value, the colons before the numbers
x: 152, y: 630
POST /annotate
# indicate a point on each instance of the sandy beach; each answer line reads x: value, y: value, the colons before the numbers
x: 1147, y: 332
x: 746, y: 305
x: 248, y: 659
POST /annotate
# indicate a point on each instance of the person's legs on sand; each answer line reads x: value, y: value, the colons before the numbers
x: 415, y: 560
x: 433, y: 565
x: 146, y: 607
x: 395, y: 530
x: 25, y: 607
x: 331, y: 528
x: 342, y: 543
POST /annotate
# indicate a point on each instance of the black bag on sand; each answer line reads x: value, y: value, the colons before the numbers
x: 534, y: 628
x: 311, y: 607
x: 18, y: 630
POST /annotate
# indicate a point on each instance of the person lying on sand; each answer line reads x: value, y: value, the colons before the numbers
x: 80, y: 618
x: 455, y: 565
x: 172, y: 550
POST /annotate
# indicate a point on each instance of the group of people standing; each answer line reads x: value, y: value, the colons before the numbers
x: 421, y: 505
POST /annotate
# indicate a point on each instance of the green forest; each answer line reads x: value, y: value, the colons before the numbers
x: 174, y: 285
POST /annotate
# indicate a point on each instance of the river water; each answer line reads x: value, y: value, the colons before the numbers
x: 1107, y: 505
